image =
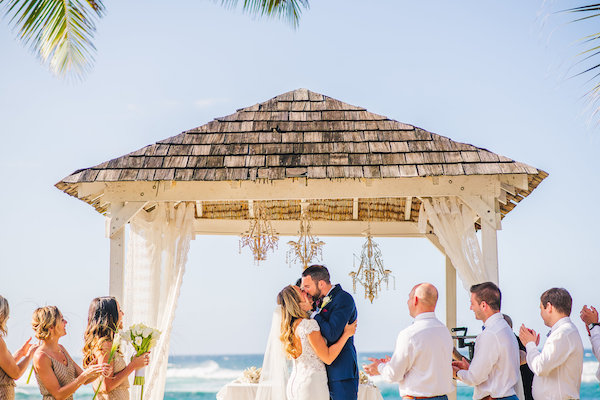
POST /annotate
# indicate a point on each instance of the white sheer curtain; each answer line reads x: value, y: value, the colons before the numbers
x: 453, y: 223
x: 157, y: 252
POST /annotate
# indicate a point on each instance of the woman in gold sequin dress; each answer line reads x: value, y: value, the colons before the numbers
x: 104, y: 319
x: 12, y: 366
x: 58, y: 376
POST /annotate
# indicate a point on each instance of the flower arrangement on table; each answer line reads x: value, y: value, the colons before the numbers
x: 250, y: 375
x: 364, y: 379
x: 142, y: 338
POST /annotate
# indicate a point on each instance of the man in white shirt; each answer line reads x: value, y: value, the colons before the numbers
x: 494, y: 371
x: 589, y: 315
x: 558, y: 366
x: 421, y: 363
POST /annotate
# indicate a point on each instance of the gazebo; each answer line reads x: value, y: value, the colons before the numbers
x: 299, y: 153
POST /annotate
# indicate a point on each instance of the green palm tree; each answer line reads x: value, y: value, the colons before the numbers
x: 61, y: 32
x: 588, y: 57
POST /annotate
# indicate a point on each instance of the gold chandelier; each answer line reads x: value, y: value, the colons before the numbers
x: 308, y: 248
x: 371, y: 272
x: 260, y: 236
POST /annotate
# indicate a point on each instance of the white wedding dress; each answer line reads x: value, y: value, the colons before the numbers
x: 308, y: 380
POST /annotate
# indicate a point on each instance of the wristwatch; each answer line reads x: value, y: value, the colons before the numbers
x: 592, y: 325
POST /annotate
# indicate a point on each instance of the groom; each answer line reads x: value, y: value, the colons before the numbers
x: 335, y: 309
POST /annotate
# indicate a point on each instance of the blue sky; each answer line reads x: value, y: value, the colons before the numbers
x: 492, y: 74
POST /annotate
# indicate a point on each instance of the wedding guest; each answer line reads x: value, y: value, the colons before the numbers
x: 494, y: 371
x: 421, y: 363
x: 105, y: 318
x: 12, y: 366
x: 58, y: 376
x: 526, y: 373
x: 558, y: 366
x: 589, y: 315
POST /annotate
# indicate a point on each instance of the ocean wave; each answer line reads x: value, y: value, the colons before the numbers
x: 206, y: 370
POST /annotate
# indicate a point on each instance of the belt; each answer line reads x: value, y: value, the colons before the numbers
x: 498, y: 398
x: 443, y: 397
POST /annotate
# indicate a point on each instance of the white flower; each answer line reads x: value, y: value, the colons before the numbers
x: 147, y: 332
x: 325, y: 301
x: 138, y: 341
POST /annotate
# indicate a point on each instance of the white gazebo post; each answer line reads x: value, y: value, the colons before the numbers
x: 120, y: 214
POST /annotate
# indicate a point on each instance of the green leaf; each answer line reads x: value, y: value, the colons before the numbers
x: 59, y: 32
x: 287, y: 10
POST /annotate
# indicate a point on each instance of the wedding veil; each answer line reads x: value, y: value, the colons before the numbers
x: 275, y: 372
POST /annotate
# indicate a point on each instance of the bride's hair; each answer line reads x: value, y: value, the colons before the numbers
x: 103, y: 320
x: 289, y: 300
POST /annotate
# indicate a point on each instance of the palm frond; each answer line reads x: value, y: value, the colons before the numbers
x: 289, y: 10
x: 588, y: 57
x: 59, y: 32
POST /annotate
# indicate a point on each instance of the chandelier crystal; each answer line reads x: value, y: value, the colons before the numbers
x: 260, y: 236
x: 308, y: 249
x: 371, y: 273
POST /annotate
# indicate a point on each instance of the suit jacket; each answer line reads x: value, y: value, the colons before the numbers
x: 332, y: 320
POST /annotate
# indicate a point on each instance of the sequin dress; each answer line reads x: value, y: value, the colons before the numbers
x: 121, y: 392
x: 65, y: 374
x: 7, y: 386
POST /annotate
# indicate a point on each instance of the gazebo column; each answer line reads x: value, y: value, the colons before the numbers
x: 490, y: 224
x: 450, y: 294
x: 117, y: 265
x: 488, y: 210
x: 120, y: 214
x: 489, y: 244
x: 451, y: 306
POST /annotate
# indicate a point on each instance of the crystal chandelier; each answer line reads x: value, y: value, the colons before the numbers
x: 260, y: 236
x: 308, y: 248
x: 371, y: 272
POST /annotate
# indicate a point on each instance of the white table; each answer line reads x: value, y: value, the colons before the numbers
x: 247, y: 391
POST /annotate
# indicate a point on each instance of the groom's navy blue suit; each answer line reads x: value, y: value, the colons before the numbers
x: 342, y: 374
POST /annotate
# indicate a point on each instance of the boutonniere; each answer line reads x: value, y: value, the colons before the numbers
x: 326, y: 300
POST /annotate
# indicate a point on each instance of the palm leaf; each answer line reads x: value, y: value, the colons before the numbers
x: 589, y: 56
x: 289, y: 10
x: 59, y: 32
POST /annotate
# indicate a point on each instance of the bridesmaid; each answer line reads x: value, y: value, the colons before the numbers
x: 57, y: 374
x: 105, y: 318
x: 10, y: 367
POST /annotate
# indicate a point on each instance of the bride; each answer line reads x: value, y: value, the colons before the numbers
x: 302, y: 342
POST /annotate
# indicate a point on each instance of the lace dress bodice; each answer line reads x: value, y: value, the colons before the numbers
x: 308, y: 359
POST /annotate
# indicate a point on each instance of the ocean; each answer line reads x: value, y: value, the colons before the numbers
x: 196, y: 377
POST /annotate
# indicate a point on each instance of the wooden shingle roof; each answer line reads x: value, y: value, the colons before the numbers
x: 301, y: 134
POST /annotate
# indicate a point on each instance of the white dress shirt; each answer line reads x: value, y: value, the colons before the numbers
x: 595, y: 339
x: 422, y: 360
x: 495, y: 368
x: 558, y: 367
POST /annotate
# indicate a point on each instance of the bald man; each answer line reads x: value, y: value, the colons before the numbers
x: 422, y: 360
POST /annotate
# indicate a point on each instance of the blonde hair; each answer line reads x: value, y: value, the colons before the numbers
x: 4, y: 311
x: 289, y: 300
x: 44, y: 319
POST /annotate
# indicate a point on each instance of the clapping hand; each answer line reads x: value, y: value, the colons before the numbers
x: 372, y: 369
x: 528, y: 335
x: 589, y: 315
x: 458, y: 365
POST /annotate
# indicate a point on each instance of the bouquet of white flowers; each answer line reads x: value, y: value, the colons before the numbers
x: 142, y: 338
